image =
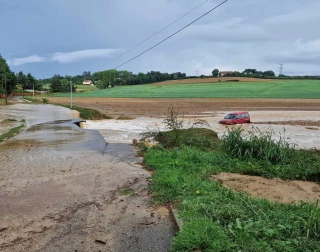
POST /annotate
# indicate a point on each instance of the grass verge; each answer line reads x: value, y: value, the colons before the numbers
x: 12, y: 132
x: 30, y: 98
x: 87, y: 113
x: 218, y: 219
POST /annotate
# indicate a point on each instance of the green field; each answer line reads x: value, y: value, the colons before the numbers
x: 305, y: 89
x: 85, y: 88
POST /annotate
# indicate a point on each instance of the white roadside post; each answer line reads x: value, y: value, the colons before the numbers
x: 33, y: 93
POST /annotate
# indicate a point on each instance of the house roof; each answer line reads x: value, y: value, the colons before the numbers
x: 87, y: 81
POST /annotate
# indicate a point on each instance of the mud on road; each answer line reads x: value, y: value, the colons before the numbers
x: 61, y: 189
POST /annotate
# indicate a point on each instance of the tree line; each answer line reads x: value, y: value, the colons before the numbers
x: 108, y: 78
x: 15, y: 82
x: 254, y: 73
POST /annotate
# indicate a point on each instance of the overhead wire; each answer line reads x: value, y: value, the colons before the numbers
x: 145, y: 40
x: 172, y: 34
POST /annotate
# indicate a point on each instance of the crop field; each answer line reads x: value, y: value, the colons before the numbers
x: 300, y: 89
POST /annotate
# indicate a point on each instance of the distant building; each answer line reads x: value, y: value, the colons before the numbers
x: 224, y: 73
x: 87, y: 82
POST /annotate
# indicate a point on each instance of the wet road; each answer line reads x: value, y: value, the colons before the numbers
x: 63, y: 188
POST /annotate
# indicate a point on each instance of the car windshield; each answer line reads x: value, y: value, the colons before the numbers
x: 230, y: 116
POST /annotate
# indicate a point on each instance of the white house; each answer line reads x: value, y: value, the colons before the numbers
x: 87, y: 82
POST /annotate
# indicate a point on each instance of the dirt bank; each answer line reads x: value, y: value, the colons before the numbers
x: 275, y: 190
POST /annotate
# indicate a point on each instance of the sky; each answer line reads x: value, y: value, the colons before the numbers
x: 68, y: 37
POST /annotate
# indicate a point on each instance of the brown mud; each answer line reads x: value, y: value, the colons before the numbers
x: 277, y: 190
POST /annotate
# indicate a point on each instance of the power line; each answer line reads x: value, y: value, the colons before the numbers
x: 172, y: 34
x: 155, y: 33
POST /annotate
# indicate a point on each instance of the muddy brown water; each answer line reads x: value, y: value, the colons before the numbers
x: 60, y: 189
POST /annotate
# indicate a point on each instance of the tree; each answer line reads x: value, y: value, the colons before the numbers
x: 269, y: 74
x: 86, y: 75
x: 215, y: 73
x: 56, y: 85
x: 21, y: 79
x: 7, y: 77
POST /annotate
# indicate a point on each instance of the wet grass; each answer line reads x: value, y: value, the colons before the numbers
x: 218, y: 219
x: 12, y: 132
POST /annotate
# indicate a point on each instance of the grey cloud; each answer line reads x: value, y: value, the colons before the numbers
x: 240, y: 34
x: 26, y: 60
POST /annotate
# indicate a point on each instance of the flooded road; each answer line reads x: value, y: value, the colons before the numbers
x: 303, y: 136
x: 63, y: 188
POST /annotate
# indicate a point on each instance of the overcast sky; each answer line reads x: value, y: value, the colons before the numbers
x: 46, y: 37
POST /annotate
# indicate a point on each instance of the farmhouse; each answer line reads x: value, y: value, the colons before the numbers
x: 87, y: 82
x: 224, y: 73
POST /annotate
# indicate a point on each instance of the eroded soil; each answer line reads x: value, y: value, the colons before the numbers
x: 276, y: 190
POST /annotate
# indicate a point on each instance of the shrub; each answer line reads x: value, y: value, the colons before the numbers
x: 45, y: 100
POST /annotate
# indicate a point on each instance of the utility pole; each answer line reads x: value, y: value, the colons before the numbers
x: 71, y: 92
x: 281, y: 69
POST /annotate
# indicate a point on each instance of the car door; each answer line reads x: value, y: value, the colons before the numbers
x: 238, y: 118
x: 241, y: 118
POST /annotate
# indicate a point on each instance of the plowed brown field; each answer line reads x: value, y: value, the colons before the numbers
x: 157, y: 107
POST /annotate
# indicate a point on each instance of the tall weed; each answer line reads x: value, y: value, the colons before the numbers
x: 258, y: 145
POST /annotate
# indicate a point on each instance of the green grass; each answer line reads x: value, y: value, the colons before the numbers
x: 304, y: 89
x: 87, y: 113
x: 35, y: 100
x: 85, y: 88
x: 218, y: 219
x: 12, y: 132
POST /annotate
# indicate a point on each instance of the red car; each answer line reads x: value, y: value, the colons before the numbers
x: 236, y: 118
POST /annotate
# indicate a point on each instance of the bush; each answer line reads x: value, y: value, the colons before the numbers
x: 45, y: 100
